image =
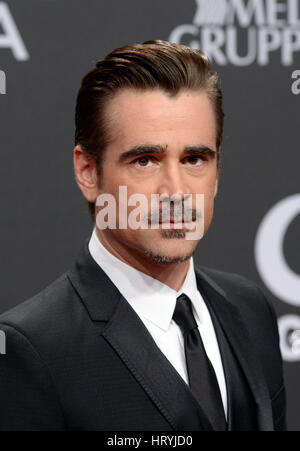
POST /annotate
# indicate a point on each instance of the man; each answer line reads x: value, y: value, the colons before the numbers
x: 136, y: 336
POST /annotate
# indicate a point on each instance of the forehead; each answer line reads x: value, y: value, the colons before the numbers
x: 140, y: 116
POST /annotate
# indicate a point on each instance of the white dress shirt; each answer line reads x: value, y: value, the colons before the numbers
x: 154, y: 302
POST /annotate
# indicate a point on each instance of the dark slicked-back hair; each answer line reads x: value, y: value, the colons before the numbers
x: 151, y: 65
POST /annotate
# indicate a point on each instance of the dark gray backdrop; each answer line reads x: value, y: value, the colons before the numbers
x: 44, y: 217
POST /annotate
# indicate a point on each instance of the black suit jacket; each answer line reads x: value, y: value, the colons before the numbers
x: 78, y: 357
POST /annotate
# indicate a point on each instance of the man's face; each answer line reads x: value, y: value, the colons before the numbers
x: 170, y: 132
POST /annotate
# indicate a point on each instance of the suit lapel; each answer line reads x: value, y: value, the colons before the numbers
x: 131, y: 340
x: 129, y: 337
x: 236, y: 331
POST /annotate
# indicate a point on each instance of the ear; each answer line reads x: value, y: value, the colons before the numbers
x: 85, y: 173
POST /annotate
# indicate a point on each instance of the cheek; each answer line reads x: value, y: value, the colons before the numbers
x: 209, y: 198
x: 211, y: 187
x: 207, y: 187
x: 210, y: 195
x: 208, y: 210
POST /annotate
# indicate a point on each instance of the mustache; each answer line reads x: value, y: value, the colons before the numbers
x: 173, y: 214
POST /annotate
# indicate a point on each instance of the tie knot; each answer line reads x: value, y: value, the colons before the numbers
x: 183, y: 314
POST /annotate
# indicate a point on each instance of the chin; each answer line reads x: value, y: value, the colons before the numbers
x: 167, y: 258
x: 169, y: 253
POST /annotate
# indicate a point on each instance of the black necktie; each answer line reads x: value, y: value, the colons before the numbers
x: 202, y: 377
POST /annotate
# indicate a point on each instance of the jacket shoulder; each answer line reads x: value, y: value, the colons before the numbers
x: 52, y: 309
x: 239, y: 288
x: 228, y: 279
x: 251, y: 300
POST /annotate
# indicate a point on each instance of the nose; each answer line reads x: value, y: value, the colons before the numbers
x: 172, y: 181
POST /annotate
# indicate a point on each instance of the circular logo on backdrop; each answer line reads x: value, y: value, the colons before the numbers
x: 277, y: 275
x: 280, y: 279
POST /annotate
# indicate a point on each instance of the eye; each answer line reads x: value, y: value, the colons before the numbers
x: 193, y: 160
x: 142, y: 162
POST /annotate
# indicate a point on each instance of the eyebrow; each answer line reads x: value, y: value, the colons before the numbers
x: 158, y: 150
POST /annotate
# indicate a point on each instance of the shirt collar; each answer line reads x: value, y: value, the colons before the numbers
x: 149, y: 297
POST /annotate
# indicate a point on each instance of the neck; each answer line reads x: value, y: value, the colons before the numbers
x: 171, y: 274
